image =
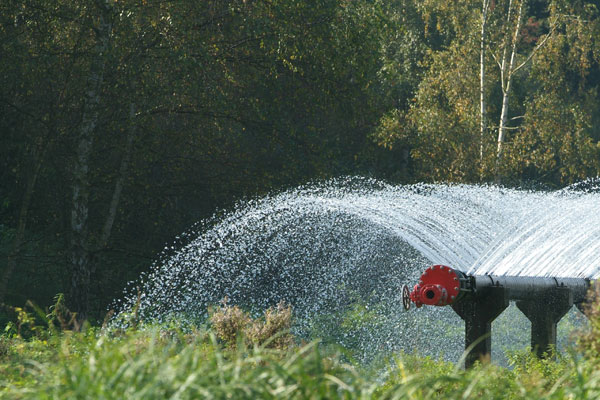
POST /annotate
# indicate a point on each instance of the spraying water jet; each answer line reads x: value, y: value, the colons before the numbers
x: 335, y: 248
x: 479, y: 299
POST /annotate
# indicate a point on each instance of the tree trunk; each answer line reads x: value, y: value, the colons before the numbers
x: 482, y: 105
x: 80, y: 243
x: 506, y: 74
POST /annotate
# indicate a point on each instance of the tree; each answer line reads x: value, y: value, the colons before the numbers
x: 485, y: 8
x: 158, y: 113
x: 29, y: 128
x: 559, y: 138
x: 441, y: 122
x: 508, y: 68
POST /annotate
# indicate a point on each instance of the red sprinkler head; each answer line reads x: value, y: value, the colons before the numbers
x: 438, y: 286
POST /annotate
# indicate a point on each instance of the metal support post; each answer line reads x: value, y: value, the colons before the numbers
x: 544, y: 313
x: 478, y: 315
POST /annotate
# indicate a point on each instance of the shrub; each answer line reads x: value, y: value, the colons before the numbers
x: 229, y: 321
x: 232, y: 323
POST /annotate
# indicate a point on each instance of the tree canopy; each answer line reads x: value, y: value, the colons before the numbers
x: 124, y: 121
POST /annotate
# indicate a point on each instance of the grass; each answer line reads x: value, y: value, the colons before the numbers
x: 164, y: 362
x: 154, y: 363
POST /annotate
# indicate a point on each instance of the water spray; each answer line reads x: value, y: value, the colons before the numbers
x: 320, y: 246
x: 479, y: 299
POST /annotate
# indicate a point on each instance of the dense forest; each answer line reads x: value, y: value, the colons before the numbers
x: 122, y: 122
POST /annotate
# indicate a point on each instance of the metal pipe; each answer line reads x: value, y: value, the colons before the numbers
x: 441, y: 285
x: 479, y: 299
x: 529, y: 287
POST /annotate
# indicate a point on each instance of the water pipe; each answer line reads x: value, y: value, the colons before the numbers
x: 479, y: 299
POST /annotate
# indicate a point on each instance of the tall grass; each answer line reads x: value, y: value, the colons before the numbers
x: 148, y: 364
x: 154, y: 363
x: 163, y: 362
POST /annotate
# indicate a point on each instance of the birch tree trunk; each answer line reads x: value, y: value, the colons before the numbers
x: 80, y: 244
x: 506, y: 74
x: 482, y: 105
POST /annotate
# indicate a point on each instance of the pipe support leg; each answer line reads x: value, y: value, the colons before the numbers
x: 478, y: 314
x: 544, y: 313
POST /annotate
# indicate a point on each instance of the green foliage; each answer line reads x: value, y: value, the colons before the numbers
x: 589, y: 341
x: 553, y: 120
x: 544, y: 372
x: 164, y: 362
x: 32, y: 322
x: 145, y: 365
x: 202, y: 104
x: 559, y: 139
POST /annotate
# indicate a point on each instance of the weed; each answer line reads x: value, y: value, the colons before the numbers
x: 231, y: 324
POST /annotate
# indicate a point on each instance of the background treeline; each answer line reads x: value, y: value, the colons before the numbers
x: 124, y: 122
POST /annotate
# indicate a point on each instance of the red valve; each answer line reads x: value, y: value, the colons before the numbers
x: 438, y: 286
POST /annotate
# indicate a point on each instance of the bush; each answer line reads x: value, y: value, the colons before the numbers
x: 231, y: 324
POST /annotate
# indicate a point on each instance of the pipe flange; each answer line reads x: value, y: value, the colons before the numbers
x: 438, y: 286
